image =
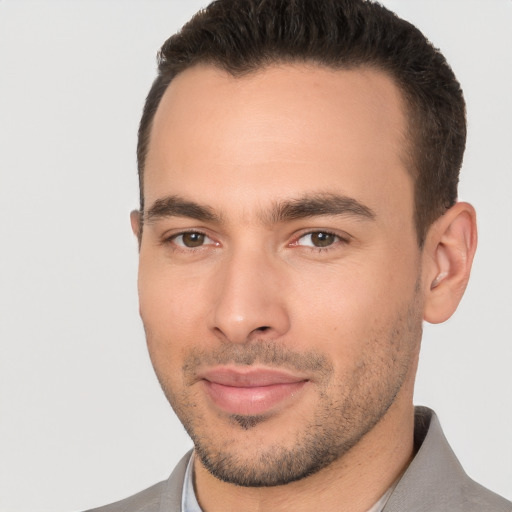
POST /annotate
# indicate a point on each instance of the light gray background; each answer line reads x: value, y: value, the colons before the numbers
x: 82, y: 419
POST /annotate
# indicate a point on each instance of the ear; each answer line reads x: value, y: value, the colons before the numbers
x: 135, y: 221
x: 448, y: 255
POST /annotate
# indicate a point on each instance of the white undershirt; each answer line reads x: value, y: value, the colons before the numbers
x: 189, y: 501
x: 188, y: 496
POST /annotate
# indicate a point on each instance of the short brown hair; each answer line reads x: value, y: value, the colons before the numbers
x: 242, y: 36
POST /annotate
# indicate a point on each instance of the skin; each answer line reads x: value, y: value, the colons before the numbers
x: 231, y: 275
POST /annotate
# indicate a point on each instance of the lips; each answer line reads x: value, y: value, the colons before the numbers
x: 250, y: 392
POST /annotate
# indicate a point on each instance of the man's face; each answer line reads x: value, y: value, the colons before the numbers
x: 279, y: 270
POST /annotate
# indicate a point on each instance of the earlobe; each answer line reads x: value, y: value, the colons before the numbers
x: 449, y: 251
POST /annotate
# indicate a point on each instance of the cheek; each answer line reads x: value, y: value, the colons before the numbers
x: 350, y: 307
x: 168, y: 296
x: 170, y: 310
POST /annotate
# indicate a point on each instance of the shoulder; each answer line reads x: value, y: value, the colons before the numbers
x: 435, y: 480
x: 478, y: 498
x: 164, y: 495
x: 147, y: 500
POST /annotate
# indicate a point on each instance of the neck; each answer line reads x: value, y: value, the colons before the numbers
x: 353, y: 483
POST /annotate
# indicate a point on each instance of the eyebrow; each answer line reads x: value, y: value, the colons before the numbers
x: 176, y: 206
x: 320, y: 204
x: 309, y: 205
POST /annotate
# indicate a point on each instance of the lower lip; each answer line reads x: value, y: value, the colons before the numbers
x: 251, y: 400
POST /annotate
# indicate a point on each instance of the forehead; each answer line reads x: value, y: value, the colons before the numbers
x: 282, y: 130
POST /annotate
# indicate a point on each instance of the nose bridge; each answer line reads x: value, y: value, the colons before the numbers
x: 250, y: 298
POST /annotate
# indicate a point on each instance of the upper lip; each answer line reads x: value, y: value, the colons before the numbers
x: 250, y: 377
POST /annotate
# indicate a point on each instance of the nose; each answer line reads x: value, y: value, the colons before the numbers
x: 250, y: 299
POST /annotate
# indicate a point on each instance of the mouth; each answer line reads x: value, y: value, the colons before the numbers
x: 253, y: 391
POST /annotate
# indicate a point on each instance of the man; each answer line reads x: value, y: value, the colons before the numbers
x: 298, y: 166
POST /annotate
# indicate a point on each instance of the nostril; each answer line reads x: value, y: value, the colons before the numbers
x: 263, y: 328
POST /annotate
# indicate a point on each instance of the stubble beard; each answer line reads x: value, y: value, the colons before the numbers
x: 348, y: 406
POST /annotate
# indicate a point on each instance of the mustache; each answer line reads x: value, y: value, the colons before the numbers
x: 262, y: 352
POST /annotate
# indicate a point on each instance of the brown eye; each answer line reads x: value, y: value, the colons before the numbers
x: 318, y: 239
x: 190, y: 240
x: 321, y: 239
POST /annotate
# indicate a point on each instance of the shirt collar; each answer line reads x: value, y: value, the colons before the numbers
x: 188, y: 497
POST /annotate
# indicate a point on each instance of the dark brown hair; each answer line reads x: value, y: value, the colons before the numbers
x: 242, y: 36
